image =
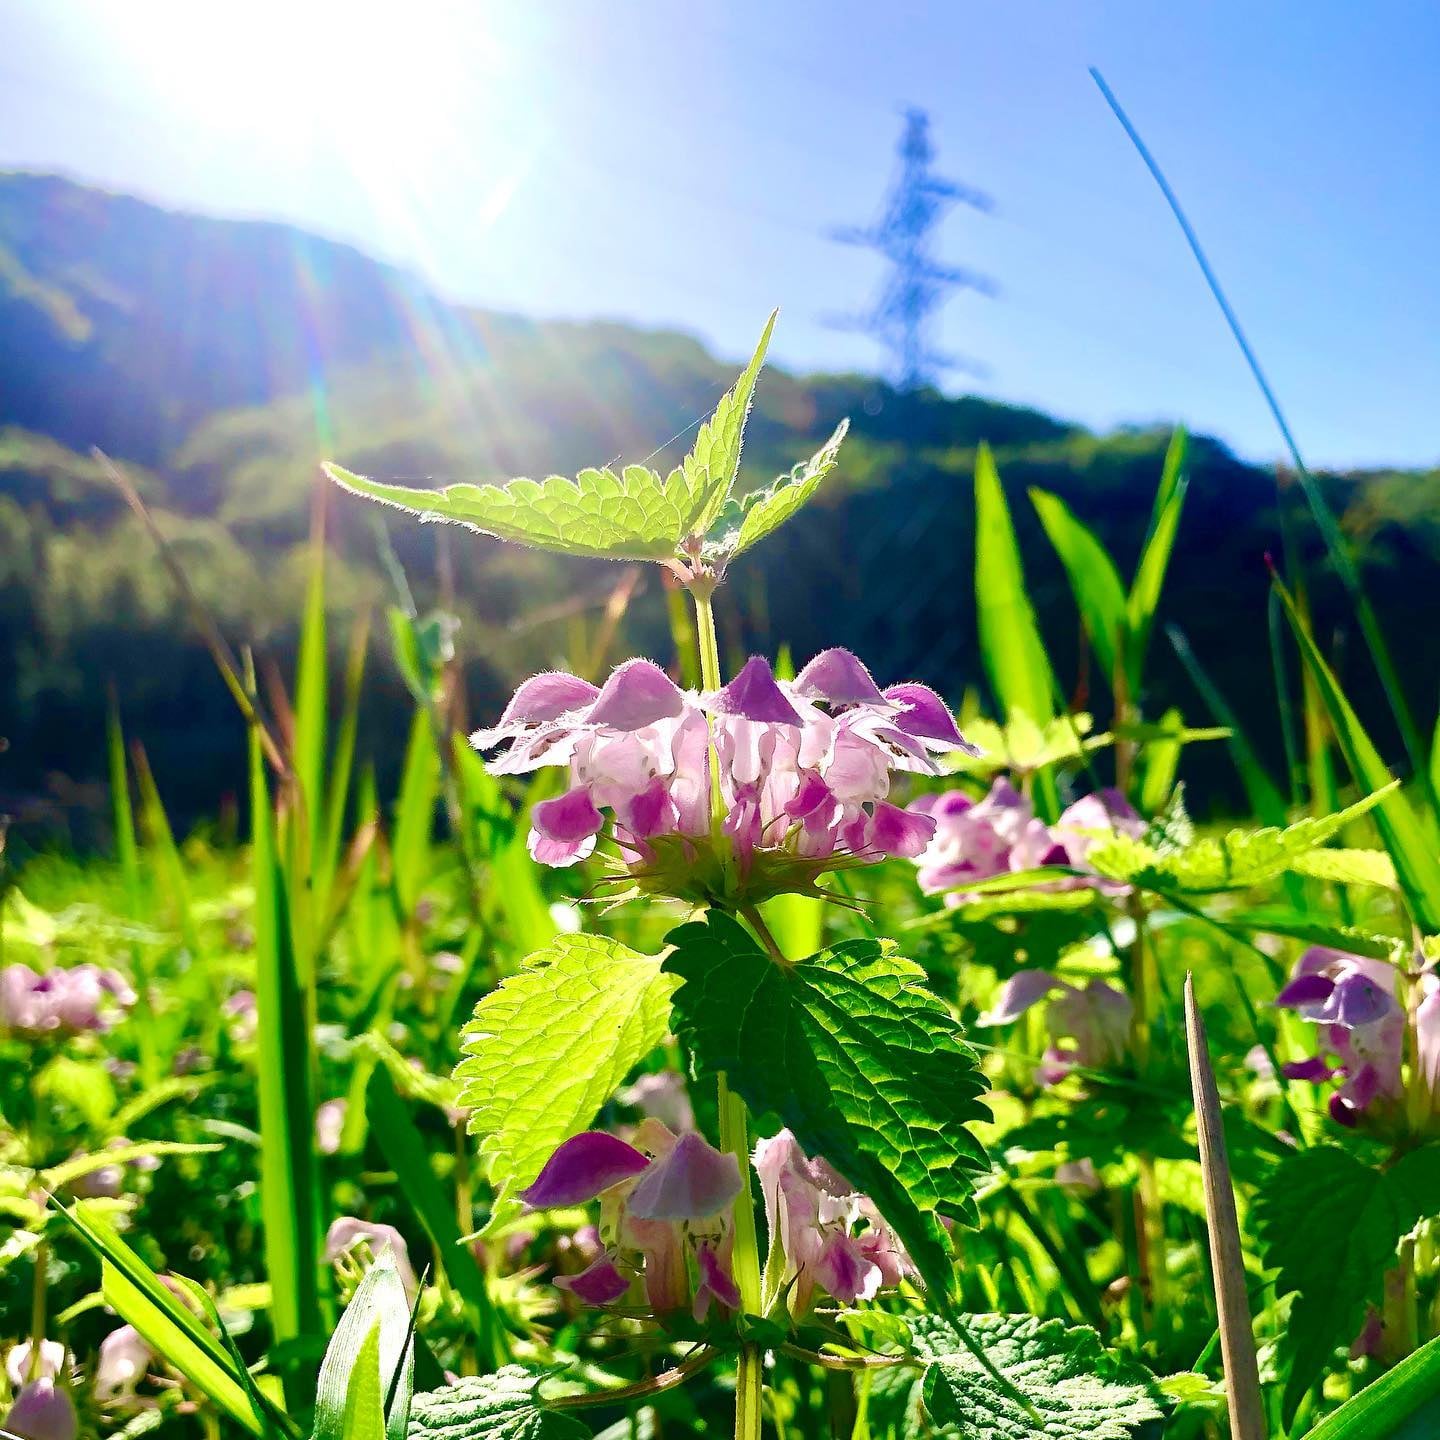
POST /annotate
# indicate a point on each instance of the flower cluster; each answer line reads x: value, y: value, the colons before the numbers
x: 802, y: 768
x: 64, y: 1000
x: 830, y: 1236
x: 663, y: 1200
x: 977, y: 839
x: 1362, y: 1025
x: 1089, y: 1025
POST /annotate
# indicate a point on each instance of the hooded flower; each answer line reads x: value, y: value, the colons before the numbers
x: 803, y: 768
x: 124, y: 1358
x: 1089, y: 1026
x: 1361, y: 1023
x: 18, y: 1362
x: 977, y: 839
x: 348, y: 1234
x: 814, y: 1217
x: 663, y: 1199
x: 42, y: 1411
x: 62, y: 1001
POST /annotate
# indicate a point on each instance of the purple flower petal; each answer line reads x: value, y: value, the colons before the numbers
x: 839, y: 677
x: 1315, y: 1069
x: 1022, y: 990
x: 894, y: 831
x: 582, y: 1168
x: 600, y: 1284
x: 569, y: 817
x: 925, y: 715
x: 716, y: 1282
x: 693, y: 1182
x: 1305, y: 991
x: 43, y: 1411
x: 1356, y: 1000
x: 539, y: 699
x: 637, y: 694
x: 754, y: 695
x: 1427, y: 1038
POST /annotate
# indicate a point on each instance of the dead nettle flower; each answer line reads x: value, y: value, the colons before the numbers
x: 22, y: 1364
x: 42, y: 1410
x: 827, y: 1236
x: 1089, y: 1025
x: 124, y: 1359
x: 664, y: 1201
x: 62, y: 1001
x: 1363, y: 1021
x: 803, y: 770
x: 359, y: 1241
x: 330, y: 1125
x: 978, y: 839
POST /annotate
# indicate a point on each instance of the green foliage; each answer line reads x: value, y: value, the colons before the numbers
x: 1079, y: 1390
x: 502, y: 1406
x: 371, y: 1350
x: 1233, y: 861
x: 856, y: 1058
x: 1329, y: 1224
x: 1402, y: 1404
x: 547, y: 1048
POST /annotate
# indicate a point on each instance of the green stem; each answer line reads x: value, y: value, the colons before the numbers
x: 744, y: 1259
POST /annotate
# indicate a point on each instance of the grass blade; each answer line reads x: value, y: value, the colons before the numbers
x: 1144, y: 597
x: 1403, y: 1404
x: 415, y: 813
x: 1094, y: 580
x: 288, y: 1180
x: 1227, y: 1258
x: 166, y: 853
x: 1404, y: 836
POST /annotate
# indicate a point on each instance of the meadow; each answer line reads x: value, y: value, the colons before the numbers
x: 728, y: 1044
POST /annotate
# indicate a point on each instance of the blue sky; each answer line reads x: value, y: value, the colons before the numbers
x: 680, y: 164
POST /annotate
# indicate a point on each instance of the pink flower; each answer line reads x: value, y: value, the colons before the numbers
x: 330, y: 1126
x: 18, y: 1362
x: 977, y: 839
x: 812, y: 1213
x: 42, y: 1411
x: 803, y: 769
x: 1089, y: 1026
x: 349, y: 1234
x: 1353, y: 1001
x: 124, y: 1358
x: 661, y: 1200
x: 62, y: 1001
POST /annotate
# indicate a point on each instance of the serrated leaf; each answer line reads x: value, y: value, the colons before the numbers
x: 550, y: 1046
x: 631, y: 516
x: 1300, y: 925
x: 1330, y: 1225
x: 1236, y: 860
x: 1349, y: 867
x: 768, y: 509
x: 708, y: 471
x: 1080, y: 1390
x: 856, y: 1058
x: 502, y: 1406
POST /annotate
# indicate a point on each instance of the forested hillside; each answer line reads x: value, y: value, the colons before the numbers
x: 220, y: 361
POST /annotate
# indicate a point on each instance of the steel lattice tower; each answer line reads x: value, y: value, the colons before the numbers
x: 902, y: 317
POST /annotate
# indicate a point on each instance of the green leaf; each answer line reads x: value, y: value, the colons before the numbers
x: 1009, y: 635
x: 502, y: 1406
x: 377, y: 1318
x: 1301, y: 925
x: 710, y: 468
x: 766, y: 510
x: 364, y: 1414
x: 1416, y: 865
x: 1234, y: 861
x: 1330, y: 1225
x: 635, y: 515
x: 1349, y: 867
x: 77, y: 1165
x: 1080, y: 1390
x: 550, y: 1046
x: 1094, y: 580
x: 1408, y: 1393
x: 860, y: 1062
x: 1144, y: 597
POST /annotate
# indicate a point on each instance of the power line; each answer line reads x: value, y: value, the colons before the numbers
x: 901, y: 319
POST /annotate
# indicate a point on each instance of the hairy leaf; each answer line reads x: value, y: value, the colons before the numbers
x: 1232, y: 861
x: 1330, y: 1225
x: 502, y: 1406
x: 861, y: 1063
x: 1349, y: 867
x: 709, y: 470
x: 765, y: 510
x: 550, y: 1046
x: 635, y: 515
x: 1080, y: 1390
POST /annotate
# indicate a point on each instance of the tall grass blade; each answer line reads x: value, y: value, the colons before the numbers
x: 342, y: 763
x: 1404, y: 836
x: 1094, y: 580
x: 1144, y: 597
x: 415, y: 812
x: 164, y: 850
x: 1015, y: 657
x: 1227, y: 1258
x: 1324, y: 520
x: 288, y: 1179
x: 1403, y: 1404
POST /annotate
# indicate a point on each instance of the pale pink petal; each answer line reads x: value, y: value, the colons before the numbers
x: 581, y: 1168
x: 601, y: 1283
x: 925, y: 715
x: 845, y: 1271
x: 539, y: 699
x: 838, y: 677
x: 638, y: 693
x: 716, y: 1282
x: 754, y: 695
x: 693, y: 1182
x: 1427, y: 1037
x: 42, y: 1411
x: 894, y: 831
x: 1022, y: 990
